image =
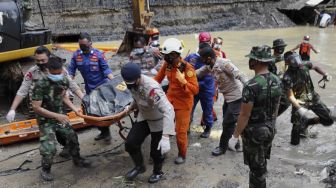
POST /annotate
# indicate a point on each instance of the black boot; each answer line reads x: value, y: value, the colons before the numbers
x: 139, y: 166
x: 105, y: 134
x: 46, y: 175
x: 157, y: 174
x: 206, y: 132
x: 46, y: 167
x: 218, y: 151
x: 81, y: 162
x: 295, y: 135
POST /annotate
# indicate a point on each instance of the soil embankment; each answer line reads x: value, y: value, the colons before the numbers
x: 108, y: 20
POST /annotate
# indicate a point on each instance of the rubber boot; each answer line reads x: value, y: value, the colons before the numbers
x: 157, y: 173
x: 81, y: 162
x: 46, y: 167
x: 255, y: 183
x: 46, y: 175
x: 139, y: 167
x: 295, y: 135
x: 105, y: 135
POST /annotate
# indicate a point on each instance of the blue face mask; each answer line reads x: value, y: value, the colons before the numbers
x: 55, y: 77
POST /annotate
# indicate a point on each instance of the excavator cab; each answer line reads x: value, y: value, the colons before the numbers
x: 142, y: 18
x: 15, y: 40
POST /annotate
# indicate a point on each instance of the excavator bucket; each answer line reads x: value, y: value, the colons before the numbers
x: 127, y: 44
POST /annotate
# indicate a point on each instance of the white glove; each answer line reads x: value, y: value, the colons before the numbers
x: 10, y: 116
x: 327, y: 77
x: 164, y: 145
x: 304, y: 112
x: 232, y: 143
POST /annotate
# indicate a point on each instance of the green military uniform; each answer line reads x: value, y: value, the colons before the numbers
x: 299, y: 80
x: 51, y: 94
x: 264, y: 92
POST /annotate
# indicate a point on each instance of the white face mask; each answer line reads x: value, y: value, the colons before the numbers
x: 305, y: 41
x: 217, y: 46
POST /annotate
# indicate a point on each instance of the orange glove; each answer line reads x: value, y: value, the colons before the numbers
x: 180, y: 77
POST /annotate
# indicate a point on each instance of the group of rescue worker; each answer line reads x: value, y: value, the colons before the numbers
x: 166, y: 89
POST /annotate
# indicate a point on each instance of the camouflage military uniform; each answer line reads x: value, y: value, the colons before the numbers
x: 259, y: 133
x: 51, y: 94
x: 300, y: 82
x: 147, y: 62
x: 273, y: 68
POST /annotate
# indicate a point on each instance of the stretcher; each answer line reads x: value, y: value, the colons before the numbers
x: 103, y: 107
x: 27, y: 130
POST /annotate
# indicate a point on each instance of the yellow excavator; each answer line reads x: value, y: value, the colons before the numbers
x: 17, y: 46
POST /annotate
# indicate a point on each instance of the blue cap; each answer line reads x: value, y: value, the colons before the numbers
x: 130, y: 72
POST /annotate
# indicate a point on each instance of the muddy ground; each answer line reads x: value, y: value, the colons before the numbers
x: 200, y: 170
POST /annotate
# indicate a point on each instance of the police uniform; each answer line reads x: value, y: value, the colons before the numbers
x: 34, y: 74
x: 51, y: 94
x: 264, y: 92
x: 229, y: 81
x: 206, y: 91
x: 94, y: 70
x: 156, y: 117
x: 300, y: 82
x: 92, y: 66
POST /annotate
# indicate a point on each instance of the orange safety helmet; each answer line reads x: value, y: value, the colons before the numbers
x: 153, y: 31
x: 204, y: 37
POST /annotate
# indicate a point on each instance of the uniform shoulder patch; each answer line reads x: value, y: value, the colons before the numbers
x: 154, y: 96
x: 28, y: 76
x: 190, y: 73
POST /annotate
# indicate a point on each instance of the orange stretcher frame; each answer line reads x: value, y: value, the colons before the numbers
x: 28, y: 129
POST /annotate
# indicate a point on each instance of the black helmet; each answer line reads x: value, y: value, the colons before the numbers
x: 130, y: 72
x: 279, y: 43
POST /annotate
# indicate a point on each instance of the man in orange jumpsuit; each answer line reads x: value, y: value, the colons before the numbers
x: 183, y: 86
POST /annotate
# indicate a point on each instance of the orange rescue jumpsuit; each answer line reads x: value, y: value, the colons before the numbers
x: 182, y: 98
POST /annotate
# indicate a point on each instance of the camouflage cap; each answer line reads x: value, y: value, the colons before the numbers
x: 279, y: 43
x: 261, y: 53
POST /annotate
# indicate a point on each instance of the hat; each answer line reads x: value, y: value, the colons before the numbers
x: 279, y: 43
x: 130, y: 72
x: 261, y: 53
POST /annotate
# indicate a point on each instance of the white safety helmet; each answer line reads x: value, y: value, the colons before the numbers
x: 172, y: 45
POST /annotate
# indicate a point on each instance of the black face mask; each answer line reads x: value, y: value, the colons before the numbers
x: 280, y: 50
x: 42, y: 67
x: 251, y: 64
x: 84, y: 48
x: 169, y: 59
x: 132, y: 86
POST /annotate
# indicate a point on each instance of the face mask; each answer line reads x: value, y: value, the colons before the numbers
x: 169, y: 59
x: 55, y: 77
x: 280, y: 50
x: 251, y: 64
x: 138, y: 51
x: 132, y: 86
x: 155, y: 44
x: 305, y: 41
x: 84, y: 48
x: 217, y: 46
x: 42, y: 67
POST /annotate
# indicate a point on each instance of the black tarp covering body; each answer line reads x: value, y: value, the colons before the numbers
x: 108, y: 99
